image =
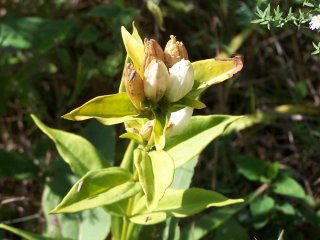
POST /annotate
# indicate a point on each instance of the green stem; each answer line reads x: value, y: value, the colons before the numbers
x: 124, y: 228
x: 126, y: 221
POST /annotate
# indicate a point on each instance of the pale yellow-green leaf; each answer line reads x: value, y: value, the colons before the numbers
x: 160, y: 124
x: 75, y: 150
x: 156, y: 170
x: 117, y: 107
x: 179, y: 203
x: 99, y: 188
x: 137, y: 37
x: 198, y: 134
x: 134, y: 48
x: 212, y: 71
x: 115, y: 120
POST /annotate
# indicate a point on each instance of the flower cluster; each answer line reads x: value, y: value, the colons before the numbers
x: 166, y: 72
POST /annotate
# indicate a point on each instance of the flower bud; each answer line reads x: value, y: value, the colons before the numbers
x: 155, y: 80
x: 134, y: 86
x: 146, y: 129
x: 152, y: 50
x: 174, y: 52
x: 181, y: 80
x: 178, y: 121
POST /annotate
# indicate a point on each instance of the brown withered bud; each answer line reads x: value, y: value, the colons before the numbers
x: 134, y: 86
x: 174, y: 52
x: 152, y: 50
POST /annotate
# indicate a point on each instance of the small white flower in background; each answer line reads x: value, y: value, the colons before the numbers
x: 178, y: 121
x: 315, y: 22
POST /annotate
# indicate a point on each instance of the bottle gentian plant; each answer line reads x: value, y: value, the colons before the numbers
x: 157, y: 95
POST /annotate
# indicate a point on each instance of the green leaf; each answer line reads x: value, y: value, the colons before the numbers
x: 289, y: 187
x: 133, y: 136
x: 77, y: 225
x: 103, y: 138
x: 98, y: 188
x: 250, y: 167
x: 89, y: 34
x: 249, y: 120
x: 179, y: 203
x: 17, y: 165
x: 212, y: 71
x: 199, y: 228
x: 231, y: 230
x: 160, y: 124
x: 183, y: 175
x: 134, y: 48
x: 156, y: 12
x: 137, y: 37
x: 156, y: 172
x: 286, y: 208
x: 78, y: 152
x: 273, y: 170
x: 262, y: 206
x: 34, y: 32
x: 116, y: 106
x: 199, y: 133
x: 172, y: 230
x: 26, y: 235
x: 189, y: 103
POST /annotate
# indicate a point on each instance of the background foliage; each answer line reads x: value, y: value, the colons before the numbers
x: 57, y: 54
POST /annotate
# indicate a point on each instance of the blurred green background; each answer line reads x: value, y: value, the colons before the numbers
x: 57, y: 54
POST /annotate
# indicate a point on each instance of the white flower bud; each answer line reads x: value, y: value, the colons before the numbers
x: 180, y: 81
x: 155, y: 80
x: 178, y: 121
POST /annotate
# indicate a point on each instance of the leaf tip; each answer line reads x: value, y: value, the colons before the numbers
x: 67, y: 116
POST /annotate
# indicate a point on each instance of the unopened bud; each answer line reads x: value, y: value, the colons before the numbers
x: 174, y: 52
x: 134, y: 86
x: 146, y: 129
x: 181, y: 80
x: 152, y: 50
x: 178, y: 121
x: 155, y: 80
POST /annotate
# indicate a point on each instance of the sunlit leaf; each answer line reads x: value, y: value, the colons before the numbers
x: 132, y: 136
x: 98, y: 188
x: 213, y: 71
x: 117, y: 107
x: 134, y: 48
x: 199, y: 133
x: 199, y: 228
x: 183, y: 175
x: 156, y: 172
x: 179, y: 203
x: 137, y: 37
x: 160, y: 124
x: 75, y: 150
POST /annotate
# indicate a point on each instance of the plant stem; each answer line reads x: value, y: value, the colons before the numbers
x: 124, y: 228
x: 126, y: 220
